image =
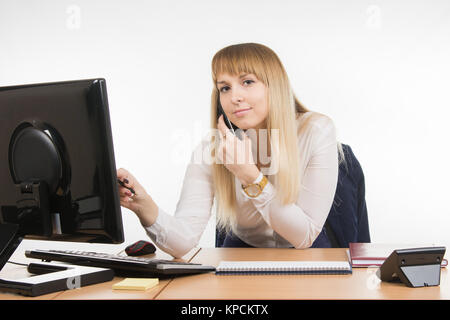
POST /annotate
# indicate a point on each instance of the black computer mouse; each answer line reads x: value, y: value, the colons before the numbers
x: 140, y: 248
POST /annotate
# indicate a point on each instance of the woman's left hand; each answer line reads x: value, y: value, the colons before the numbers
x: 236, y: 154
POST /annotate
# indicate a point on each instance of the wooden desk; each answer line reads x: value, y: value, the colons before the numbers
x: 362, y: 284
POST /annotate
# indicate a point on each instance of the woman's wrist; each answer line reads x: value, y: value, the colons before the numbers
x: 250, y: 175
x: 149, y: 212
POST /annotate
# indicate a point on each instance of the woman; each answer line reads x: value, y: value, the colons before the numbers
x: 281, y: 199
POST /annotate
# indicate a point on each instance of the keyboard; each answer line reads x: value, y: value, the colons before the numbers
x: 125, y: 266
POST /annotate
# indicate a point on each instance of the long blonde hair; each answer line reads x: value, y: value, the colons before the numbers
x: 284, y: 109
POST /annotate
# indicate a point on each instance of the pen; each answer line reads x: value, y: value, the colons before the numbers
x: 123, y: 185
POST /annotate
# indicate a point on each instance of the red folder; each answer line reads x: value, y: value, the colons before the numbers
x: 373, y: 254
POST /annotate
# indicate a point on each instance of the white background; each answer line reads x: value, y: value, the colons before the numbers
x: 379, y: 69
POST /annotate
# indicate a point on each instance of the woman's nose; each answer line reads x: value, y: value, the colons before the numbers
x: 236, y: 97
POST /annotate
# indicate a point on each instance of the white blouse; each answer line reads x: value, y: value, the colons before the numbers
x: 261, y: 221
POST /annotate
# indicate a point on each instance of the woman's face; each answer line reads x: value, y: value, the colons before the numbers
x: 244, y: 99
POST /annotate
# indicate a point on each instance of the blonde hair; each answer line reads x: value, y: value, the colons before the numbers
x: 284, y: 109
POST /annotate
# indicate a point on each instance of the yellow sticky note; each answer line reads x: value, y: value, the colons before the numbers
x: 136, y: 284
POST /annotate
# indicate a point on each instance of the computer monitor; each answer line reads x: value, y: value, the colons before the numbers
x: 57, y: 168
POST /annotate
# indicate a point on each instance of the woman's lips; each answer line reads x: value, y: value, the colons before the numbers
x: 242, y: 112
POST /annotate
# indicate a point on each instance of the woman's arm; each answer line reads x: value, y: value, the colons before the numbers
x: 179, y: 233
x: 301, y: 223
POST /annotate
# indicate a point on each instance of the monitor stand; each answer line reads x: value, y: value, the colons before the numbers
x: 47, y: 277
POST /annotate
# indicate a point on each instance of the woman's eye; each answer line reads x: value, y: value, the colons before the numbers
x: 223, y: 89
x: 248, y: 81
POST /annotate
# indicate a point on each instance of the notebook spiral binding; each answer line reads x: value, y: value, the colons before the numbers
x: 283, y: 267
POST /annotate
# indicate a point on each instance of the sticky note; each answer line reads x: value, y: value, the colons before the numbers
x: 136, y: 284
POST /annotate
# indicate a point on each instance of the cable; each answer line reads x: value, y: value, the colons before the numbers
x: 17, y: 263
x: 120, y: 253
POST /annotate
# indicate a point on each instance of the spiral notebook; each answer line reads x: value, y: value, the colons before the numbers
x: 283, y: 267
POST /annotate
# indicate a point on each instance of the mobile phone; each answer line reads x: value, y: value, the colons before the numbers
x: 234, y: 129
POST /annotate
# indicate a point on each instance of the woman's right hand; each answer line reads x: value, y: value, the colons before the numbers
x: 140, y: 202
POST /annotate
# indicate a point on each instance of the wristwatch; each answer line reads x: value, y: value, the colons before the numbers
x: 254, y: 189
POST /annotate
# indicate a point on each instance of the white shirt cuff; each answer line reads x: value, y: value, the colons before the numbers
x: 156, y: 231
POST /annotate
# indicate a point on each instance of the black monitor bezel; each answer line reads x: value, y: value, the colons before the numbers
x: 113, y: 226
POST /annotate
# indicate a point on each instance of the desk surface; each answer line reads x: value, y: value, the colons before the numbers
x: 362, y: 284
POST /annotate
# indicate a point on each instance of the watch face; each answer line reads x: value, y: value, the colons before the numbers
x: 253, y: 190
